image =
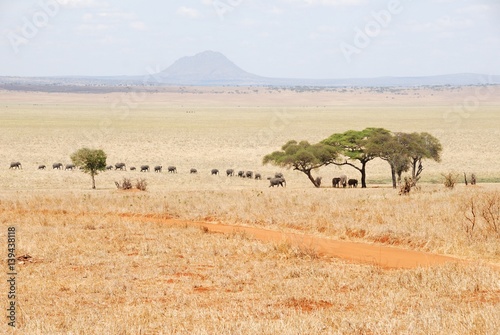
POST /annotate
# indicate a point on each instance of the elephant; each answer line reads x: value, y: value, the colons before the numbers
x: 277, y: 182
x: 215, y: 172
x: 144, y: 168
x: 278, y: 175
x: 258, y: 176
x: 57, y: 166
x: 15, y: 165
x: 70, y: 167
x: 336, y: 182
x: 249, y: 174
x: 132, y: 168
x: 352, y: 183
x: 343, y: 180
x: 241, y: 174
x: 120, y: 166
x: 172, y: 169
x: 109, y: 167
x: 41, y: 167
x: 158, y: 168
x: 193, y: 170
x: 230, y: 172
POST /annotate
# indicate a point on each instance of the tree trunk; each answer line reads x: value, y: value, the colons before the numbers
x: 363, y: 175
x: 413, y: 167
x: 308, y: 173
x: 393, y: 175
x: 93, y: 181
x: 419, y: 170
x: 416, y: 171
x: 399, y: 176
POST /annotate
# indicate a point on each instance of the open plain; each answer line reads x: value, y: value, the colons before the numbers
x: 211, y: 254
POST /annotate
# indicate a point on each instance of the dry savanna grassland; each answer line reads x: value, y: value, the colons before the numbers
x: 211, y: 254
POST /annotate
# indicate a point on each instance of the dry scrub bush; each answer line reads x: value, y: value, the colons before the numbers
x: 407, y: 185
x: 141, y: 184
x: 481, y: 212
x: 125, y: 185
x: 450, y: 179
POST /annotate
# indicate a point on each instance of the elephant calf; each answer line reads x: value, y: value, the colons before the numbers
x: 193, y: 170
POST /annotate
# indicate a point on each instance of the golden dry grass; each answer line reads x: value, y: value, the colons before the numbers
x: 116, y: 274
x: 107, y: 262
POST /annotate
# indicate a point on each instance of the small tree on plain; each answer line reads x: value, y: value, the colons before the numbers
x: 91, y: 161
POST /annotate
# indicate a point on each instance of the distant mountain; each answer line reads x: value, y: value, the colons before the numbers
x: 210, y: 68
x: 207, y: 68
x: 213, y: 68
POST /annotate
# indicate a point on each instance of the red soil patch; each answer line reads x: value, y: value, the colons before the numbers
x: 189, y: 274
x: 202, y: 289
x: 307, y: 305
x: 356, y: 233
x: 481, y: 296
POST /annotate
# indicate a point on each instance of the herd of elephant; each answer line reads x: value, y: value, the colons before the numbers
x: 342, y: 180
x: 277, y: 180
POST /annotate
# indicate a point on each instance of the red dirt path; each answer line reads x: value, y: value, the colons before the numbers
x: 356, y: 252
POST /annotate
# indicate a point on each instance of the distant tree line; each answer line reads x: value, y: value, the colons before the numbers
x: 402, y: 151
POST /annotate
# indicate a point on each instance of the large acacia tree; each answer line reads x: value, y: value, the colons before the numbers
x: 303, y: 157
x: 361, y: 146
x: 91, y: 161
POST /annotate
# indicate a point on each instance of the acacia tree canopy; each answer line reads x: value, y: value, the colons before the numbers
x: 91, y: 161
x: 303, y: 157
x: 419, y: 146
x: 361, y: 146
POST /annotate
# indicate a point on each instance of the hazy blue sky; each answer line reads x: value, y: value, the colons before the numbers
x: 280, y: 38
